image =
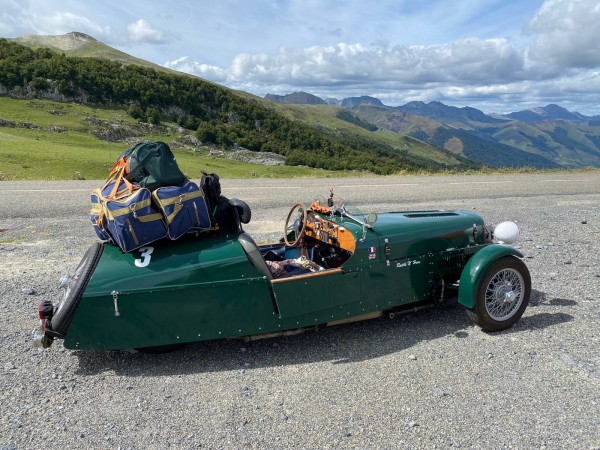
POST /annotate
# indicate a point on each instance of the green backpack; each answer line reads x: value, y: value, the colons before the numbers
x: 152, y: 165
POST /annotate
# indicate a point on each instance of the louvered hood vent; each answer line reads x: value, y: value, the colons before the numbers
x: 420, y: 215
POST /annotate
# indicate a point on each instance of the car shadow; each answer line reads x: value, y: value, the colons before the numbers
x: 338, y: 345
x: 537, y: 320
x: 539, y: 298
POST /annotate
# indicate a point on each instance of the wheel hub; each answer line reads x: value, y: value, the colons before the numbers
x: 504, y: 294
x: 510, y: 296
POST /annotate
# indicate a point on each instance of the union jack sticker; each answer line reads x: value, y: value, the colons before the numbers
x: 372, y: 253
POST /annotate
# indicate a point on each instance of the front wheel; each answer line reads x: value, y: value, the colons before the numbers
x: 502, y: 295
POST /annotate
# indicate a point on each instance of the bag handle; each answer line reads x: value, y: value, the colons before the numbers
x: 117, y: 174
x: 142, y: 163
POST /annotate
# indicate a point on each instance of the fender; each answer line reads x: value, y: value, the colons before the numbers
x: 476, y: 269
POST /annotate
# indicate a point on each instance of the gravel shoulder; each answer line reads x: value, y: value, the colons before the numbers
x: 423, y: 380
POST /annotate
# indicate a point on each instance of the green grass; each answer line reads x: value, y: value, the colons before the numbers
x: 41, y: 154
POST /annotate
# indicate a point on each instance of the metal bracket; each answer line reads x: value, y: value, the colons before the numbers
x: 387, y: 251
x: 115, y: 296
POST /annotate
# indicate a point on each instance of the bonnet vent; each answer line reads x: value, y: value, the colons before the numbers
x: 430, y: 214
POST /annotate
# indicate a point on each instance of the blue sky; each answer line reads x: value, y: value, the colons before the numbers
x: 495, y: 55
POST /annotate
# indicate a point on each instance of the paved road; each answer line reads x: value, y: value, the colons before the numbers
x: 270, y: 199
x: 24, y: 199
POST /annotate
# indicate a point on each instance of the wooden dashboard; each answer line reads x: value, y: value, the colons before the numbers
x: 329, y: 232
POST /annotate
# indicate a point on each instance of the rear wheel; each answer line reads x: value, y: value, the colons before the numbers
x: 74, y: 286
x: 502, y: 295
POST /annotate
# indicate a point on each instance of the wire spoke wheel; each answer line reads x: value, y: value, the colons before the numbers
x: 502, y: 295
x: 74, y: 286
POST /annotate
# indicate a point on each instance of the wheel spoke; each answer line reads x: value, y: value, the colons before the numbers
x: 504, y: 294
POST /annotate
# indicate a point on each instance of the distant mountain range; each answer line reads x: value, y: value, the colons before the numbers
x: 544, y: 137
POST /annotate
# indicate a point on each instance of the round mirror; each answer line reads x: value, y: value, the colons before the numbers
x: 372, y: 218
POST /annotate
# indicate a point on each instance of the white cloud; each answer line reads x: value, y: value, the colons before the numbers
x: 143, y: 31
x: 186, y: 65
x: 64, y: 22
x: 18, y: 18
x: 567, y: 33
x: 462, y: 62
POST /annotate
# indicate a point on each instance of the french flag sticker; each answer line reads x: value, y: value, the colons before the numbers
x: 372, y: 253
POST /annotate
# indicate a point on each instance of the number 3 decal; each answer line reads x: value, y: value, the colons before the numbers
x: 146, y: 255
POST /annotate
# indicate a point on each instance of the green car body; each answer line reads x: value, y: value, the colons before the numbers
x: 216, y: 286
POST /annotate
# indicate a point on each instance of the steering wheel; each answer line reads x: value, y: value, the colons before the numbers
x: 298, y: 226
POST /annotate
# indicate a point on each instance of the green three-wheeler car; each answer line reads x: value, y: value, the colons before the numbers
x: 333, y: 265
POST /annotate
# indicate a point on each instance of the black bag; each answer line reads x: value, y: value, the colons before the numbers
x: 152, y: 165
x: 225, y: 217
x: 211, y: 186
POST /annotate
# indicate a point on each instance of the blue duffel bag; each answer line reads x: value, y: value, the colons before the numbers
x: 97, y: 216
x: 99, y: 198
x: 184, y: 208
x: 133, y: 221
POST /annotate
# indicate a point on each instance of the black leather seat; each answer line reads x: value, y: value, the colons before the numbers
x: 254, y: 255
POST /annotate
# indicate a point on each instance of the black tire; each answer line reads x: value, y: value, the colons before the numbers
x: 65, y: 309
x: 502, y: 295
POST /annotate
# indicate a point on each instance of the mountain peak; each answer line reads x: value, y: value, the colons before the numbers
x: 80, y: 35
x: 351, y: 102
x: 65, y: 42
x: 439, y: 111
x: 548, y: 112
x: 298, y: 98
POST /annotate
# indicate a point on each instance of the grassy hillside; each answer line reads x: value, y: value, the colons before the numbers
x: 46, y: 140
x: 569, y: 144
x: 326, y: 118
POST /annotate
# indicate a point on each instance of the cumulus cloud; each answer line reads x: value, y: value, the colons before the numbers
x: 567, y: 33
x: 464, y: 62
x: 393, y: 73
x: 17, y: 18
x: 65, y: 22
x: 143, y: 31
x: 187, y: 65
